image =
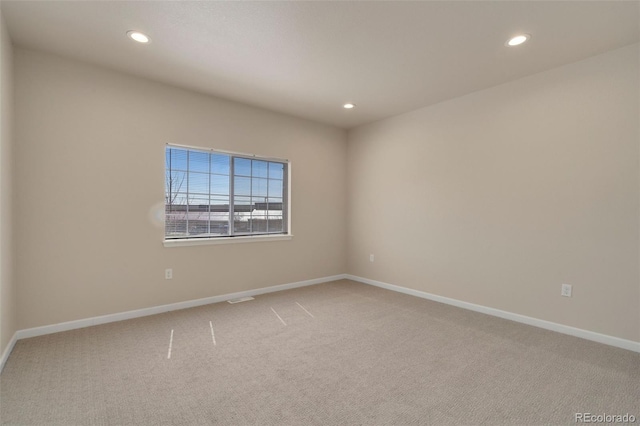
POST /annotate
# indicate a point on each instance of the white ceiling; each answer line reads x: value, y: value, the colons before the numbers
x: 308, y: 58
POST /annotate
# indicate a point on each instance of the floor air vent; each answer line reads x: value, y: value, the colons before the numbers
x: 240, y: 299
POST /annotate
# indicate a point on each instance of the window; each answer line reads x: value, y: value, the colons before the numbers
x: 211, y: 194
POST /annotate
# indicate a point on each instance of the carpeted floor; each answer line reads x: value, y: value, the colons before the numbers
x: 349, y: 354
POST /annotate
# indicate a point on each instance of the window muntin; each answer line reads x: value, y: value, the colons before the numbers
x: 211, y: 194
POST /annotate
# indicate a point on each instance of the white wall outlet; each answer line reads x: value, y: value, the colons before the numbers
x: 168, y: 274
x: 371, y: 258
x: 566, y: 290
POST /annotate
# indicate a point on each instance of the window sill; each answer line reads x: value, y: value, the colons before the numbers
x: 225, y: 240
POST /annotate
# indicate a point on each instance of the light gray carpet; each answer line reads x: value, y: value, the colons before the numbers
x: 368, y: 356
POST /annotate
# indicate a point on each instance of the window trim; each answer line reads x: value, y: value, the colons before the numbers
x: 225, y: 240
x: 197, y: 241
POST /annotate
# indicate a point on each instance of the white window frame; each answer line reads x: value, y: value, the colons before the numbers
x: 197, y: 241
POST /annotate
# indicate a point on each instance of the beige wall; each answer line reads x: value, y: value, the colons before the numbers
x: 498, y: 197
x: 90, y: 150
x: 494, y: 198
x: 8, y: 324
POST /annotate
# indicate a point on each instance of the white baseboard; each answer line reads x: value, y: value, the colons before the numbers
x: 87, y: 322
x: 7, y: 350
x: 548, y: 325
x: 104, y: 319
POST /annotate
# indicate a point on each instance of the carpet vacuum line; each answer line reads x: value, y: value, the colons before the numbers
x: 213, y: 336
x: 305, y: 309
x: 170, y: 345
x: 274, y: 311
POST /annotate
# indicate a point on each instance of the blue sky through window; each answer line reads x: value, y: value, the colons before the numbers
x: 203, y: 178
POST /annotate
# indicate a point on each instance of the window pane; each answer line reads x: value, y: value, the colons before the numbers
x: 275, y: 188
x: 199, y: 204
x: 198, y: 227
x: 219, y: 205
x: 220, y: 184
x: 242, y: 167
x: 198, y: 161
x: 259, y: 187
x: 177, y: 159
x: 259, y: 205
x: 174, y: 182
x: 241, y: 228
x: 175, y: 226
x: 241, y: 214
x: 219, y: 228
x: 276, y: 171
x: 275, y: 205
x: 258, y: 223
x: 259, y: 168
x: 198, y: 183
x: 176, y: 216
x: 242, y: 186
x: 198, y: 215
x: 242, y: 204
x: 177, y: 199
x: 219, y: 216
x: 275, y: 224
x: 220, y: 164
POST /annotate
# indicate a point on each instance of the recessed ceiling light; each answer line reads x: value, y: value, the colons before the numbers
x: 138, y: 36
x: 517, y: 40
x: 349, y: 106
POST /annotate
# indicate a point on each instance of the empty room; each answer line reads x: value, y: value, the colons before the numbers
x: 319, y: 212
